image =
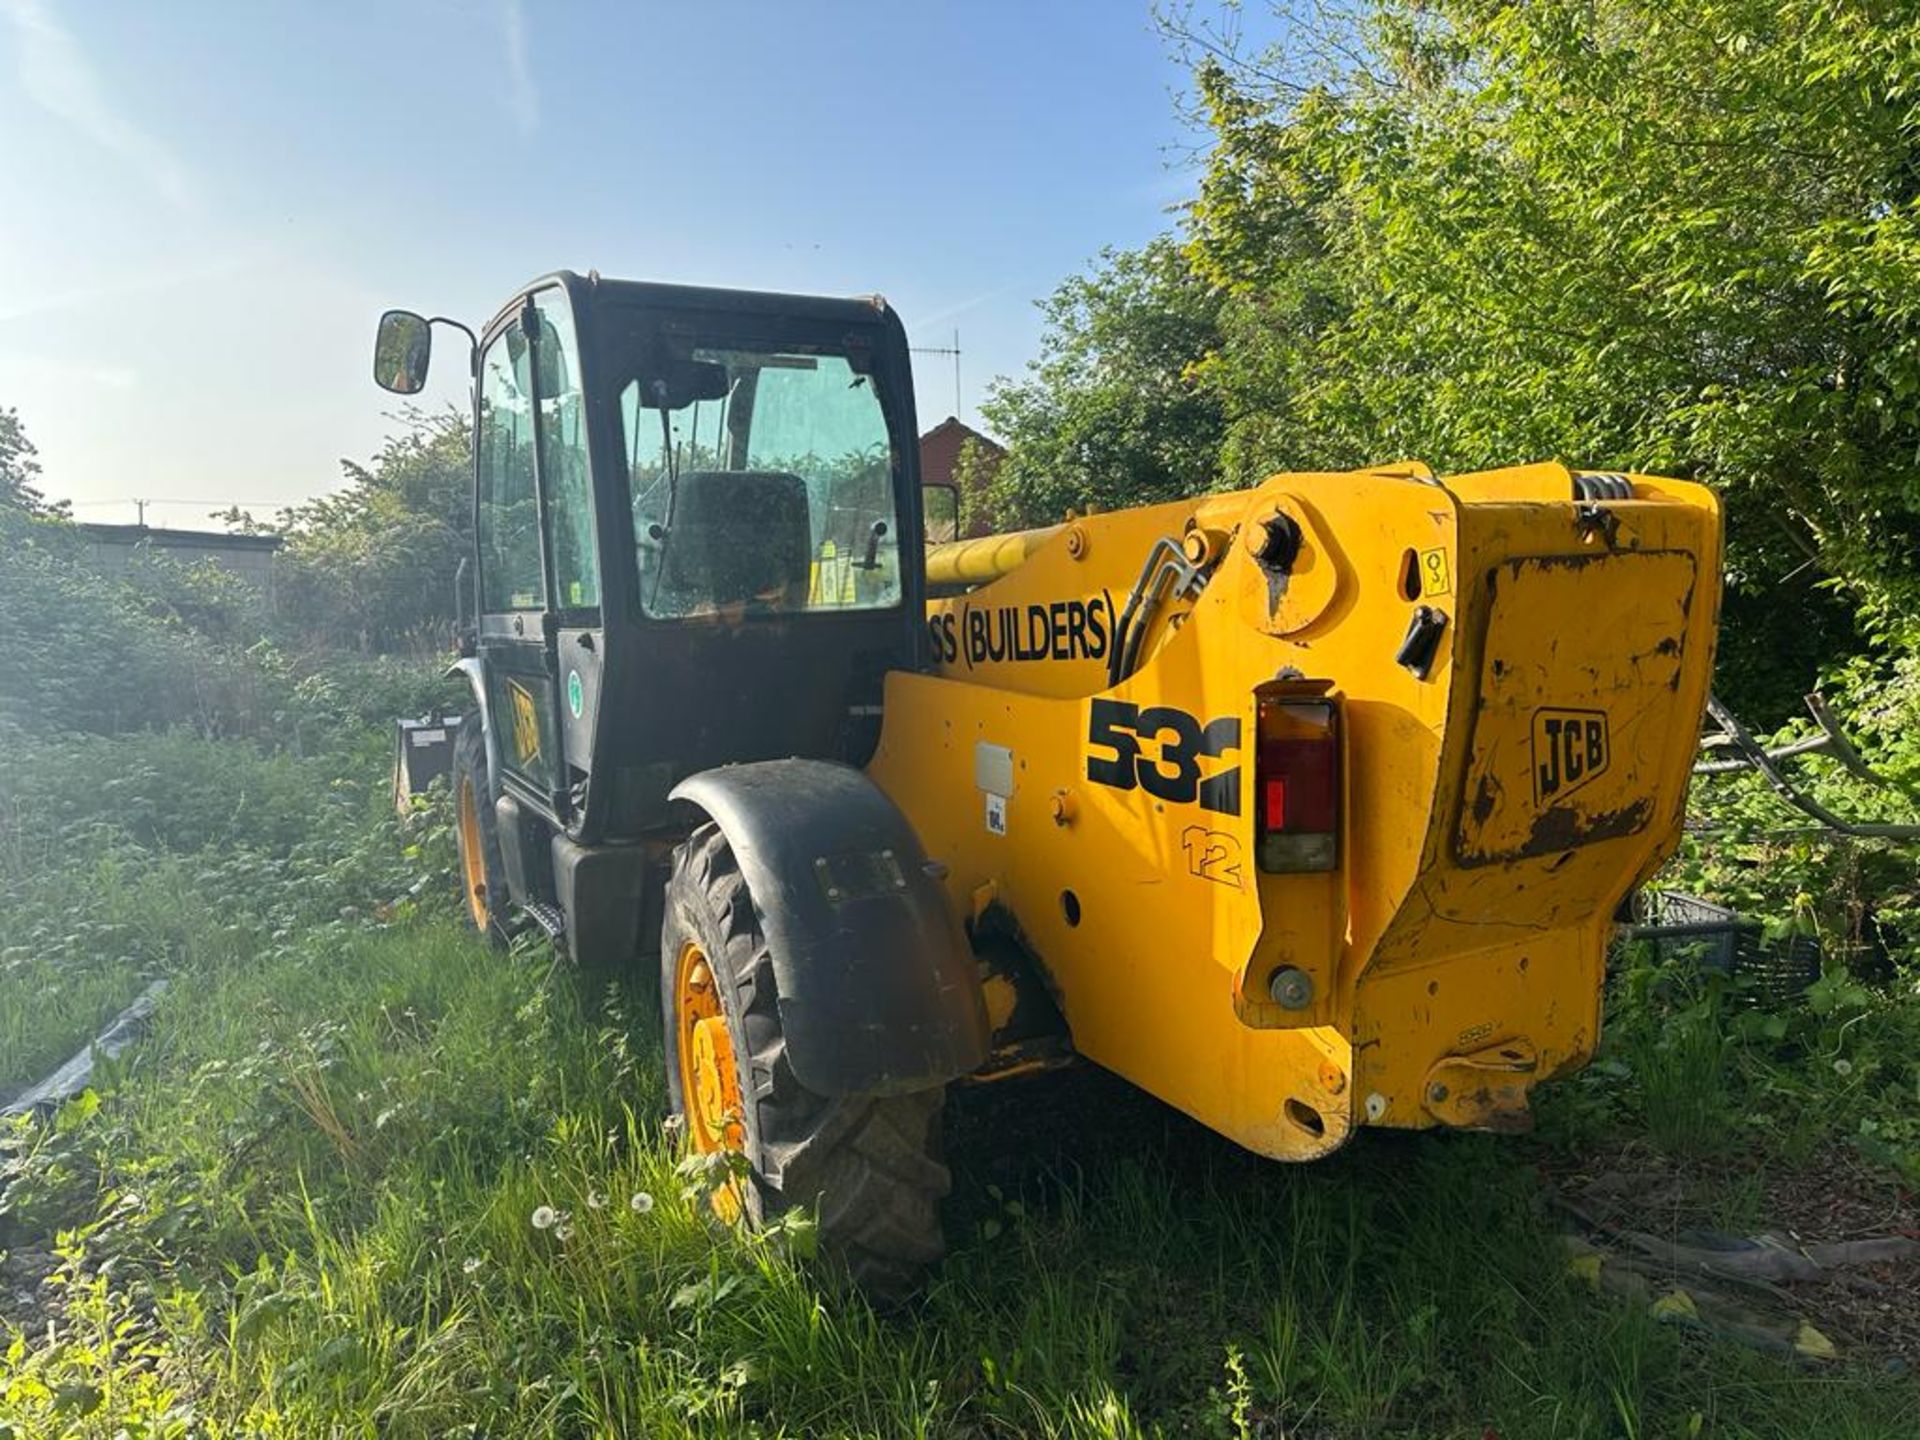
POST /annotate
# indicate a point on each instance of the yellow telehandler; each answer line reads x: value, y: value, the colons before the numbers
x: 1303, y: 808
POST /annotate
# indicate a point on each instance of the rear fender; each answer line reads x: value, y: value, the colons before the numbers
x: 879, y: 993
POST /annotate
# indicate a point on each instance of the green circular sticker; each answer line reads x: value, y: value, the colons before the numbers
x: 576, y: 698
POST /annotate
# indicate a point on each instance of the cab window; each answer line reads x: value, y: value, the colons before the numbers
x: 563, y: 458
x: 768, y: 488
x: 509, y: 517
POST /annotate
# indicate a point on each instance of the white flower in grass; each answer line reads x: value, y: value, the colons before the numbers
x: 596, y: 1201
x: 1843, y: 1067
x: 545, y: 1217
x: 641, y: 1202
x: 563, y: 1232
x: 471, y: 1264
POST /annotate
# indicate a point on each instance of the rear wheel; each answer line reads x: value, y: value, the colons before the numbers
x: 870, y: 1163
x: 476, y: 835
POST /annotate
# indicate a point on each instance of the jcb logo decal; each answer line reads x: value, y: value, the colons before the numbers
x: 1182, y: 742
x: 1570, y: 747
x: 526, y: 723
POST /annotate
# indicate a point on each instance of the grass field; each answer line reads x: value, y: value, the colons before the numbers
x: 129, y: 857
x: 367, y: 1177
x: 322, y: 1191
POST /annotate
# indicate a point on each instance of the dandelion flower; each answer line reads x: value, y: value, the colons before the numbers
x: 563, y: 1232
x: 641, y: 1202
x: 472, y: 1264
x: 1843, y: 1067
x: 596, y: 1201
x: 545, y: 1217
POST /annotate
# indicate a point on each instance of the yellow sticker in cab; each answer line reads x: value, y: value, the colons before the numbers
x: 526, y: 723
x: 1436, y: 578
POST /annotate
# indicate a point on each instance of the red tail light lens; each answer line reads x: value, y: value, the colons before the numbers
x: 1297, y: 777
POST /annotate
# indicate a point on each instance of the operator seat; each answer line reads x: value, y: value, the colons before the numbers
x: 740, y: 538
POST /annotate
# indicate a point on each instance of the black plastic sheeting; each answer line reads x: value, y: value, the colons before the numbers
x: 74, y: 1076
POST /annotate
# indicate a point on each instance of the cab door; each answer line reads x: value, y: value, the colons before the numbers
x: 574, y: 614
x: 539, y: 585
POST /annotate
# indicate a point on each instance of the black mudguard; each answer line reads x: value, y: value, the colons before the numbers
x: 879, y: 993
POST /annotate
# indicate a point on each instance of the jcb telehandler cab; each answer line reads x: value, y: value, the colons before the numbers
x: 1303, y: 807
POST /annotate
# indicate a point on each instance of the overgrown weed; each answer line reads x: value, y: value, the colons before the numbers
x: 514, y: 1246
x: 368, y: 1176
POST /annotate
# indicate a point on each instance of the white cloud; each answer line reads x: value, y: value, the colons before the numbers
x: 56, y: 75
x: 522, y: 98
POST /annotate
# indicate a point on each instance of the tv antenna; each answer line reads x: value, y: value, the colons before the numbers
x: 954, y: 351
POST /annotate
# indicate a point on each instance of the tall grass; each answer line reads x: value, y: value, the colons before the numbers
x: 320, y: 1181
x: 368, y: 1177
x: 129, y: 857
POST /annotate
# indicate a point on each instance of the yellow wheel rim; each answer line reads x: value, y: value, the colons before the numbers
x: 709, y: 1078
x: 473, y: 855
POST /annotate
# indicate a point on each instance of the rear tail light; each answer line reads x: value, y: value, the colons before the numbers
x: 1297, y: 784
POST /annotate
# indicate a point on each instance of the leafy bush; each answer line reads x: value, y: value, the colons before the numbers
x: 1707, y: 1070
x: 1110, y: 415
x: 130, y: 857
x: 86, y: 652
x: 1479, y: 234
x: 176, y: 789
x: 1860, y: 897
x: 370, y: 568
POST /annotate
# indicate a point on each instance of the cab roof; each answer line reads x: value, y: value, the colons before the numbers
x: 849, y: 310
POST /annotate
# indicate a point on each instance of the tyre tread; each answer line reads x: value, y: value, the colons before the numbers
x: 869, y: 1163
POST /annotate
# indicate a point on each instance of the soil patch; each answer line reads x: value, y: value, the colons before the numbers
x: 1871, y: 1312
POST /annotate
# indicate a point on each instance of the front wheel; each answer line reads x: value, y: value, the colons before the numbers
x: 870, y: 1163
x: 476, y: 835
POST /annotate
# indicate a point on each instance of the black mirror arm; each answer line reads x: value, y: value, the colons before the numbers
x: 473, y: 340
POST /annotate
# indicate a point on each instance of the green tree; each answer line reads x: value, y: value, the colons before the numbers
x: 371, y: 567
x: 1676, y: 240
x: 20, y: 469
x: 1113, y: 412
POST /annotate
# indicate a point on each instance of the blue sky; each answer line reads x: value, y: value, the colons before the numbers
x: 206, y: 205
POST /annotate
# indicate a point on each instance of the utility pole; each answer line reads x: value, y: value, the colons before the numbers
x: 140, y: 509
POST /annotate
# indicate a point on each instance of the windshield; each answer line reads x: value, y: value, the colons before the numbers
x: 762, y: 480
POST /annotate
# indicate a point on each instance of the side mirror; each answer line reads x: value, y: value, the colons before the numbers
x: 401, y: 349
x: 940, y: 512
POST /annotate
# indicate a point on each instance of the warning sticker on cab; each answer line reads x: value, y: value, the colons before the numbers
x: 526, y: 723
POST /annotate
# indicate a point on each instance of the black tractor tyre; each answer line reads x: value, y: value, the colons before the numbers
x: 476, y: 836
x: 870, y: 1163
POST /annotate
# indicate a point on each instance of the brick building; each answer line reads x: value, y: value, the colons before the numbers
x: 940, y: 450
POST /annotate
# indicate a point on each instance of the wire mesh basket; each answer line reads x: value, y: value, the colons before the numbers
x: 1724, y: 942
